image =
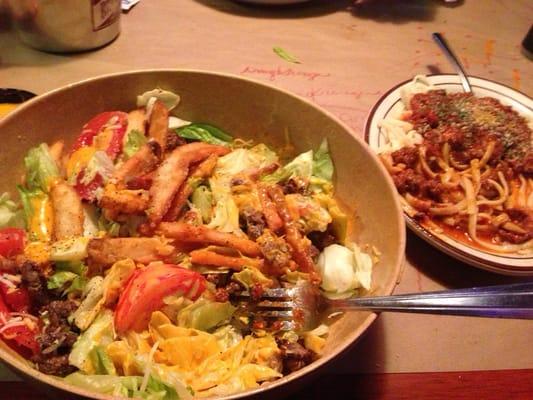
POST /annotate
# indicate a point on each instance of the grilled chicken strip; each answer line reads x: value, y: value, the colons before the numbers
x: 172, y: 173
x: 68, y: 211
x: 102, y: 253
x: 142, y: 162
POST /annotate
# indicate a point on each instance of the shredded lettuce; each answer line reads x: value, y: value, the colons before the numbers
x: 250, y: 276
x: 204, y: 133
x: 99, y: 333
x: 10, y: 214
x: 322, y: 163
x: 112, y: 228
x: 134, y: 142
x: 202, y: 198
x: 344, y: 270
x: 91, y: 305
x: 301, y: 166
x: 41, y: 169
x: 205, y: 315
x: 72, y: 274
x: 125, y: 386
x: 102, y: 364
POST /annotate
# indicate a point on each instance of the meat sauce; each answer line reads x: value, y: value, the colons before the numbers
x: 468, y: 125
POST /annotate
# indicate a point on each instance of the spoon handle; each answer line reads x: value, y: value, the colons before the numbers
x: 439, y: 39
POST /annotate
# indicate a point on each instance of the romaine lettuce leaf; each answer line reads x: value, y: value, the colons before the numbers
x: 41, y: 169
x: 322, y: 163
x: 204, y: 133
x: 204, y: 315
x: 202, y: 198
x: 134, y: 141
x: 10, y: 214
x: 102, y: 364
x: 99, y: 333
x: 71, y: 276
x: 301, y: 166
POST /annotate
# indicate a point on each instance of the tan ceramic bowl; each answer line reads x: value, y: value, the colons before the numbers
x: 249, y: 110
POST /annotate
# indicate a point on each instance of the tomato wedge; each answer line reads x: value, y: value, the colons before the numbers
x: 11, y: 241
x: 17, y: 299
x: 87, y: 191
x: 145, y: 290
x: 115, y: 121
x: 19, y: 337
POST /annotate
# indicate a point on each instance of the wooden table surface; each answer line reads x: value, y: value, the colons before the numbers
x: 349, y: 57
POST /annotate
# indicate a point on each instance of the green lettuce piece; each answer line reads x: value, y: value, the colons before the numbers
x: 126, y: 386
x: 282, y: 53
x: 250, y: 276
x: 157, y: 389
x: 106, y: 384
x: 204, y: 133
x: 205, y: 315
x: 134, y: 142
x: 301, y: 166
x: 10, y: 214
x: 100, y: 332
x: 73, y: 272
x: 26, y: 197
x: 111, y: 227
x: 60, y: 279
x: 202, y: 198
x: 40, y: 168
x: 322, y: 163
x: 101, y: 362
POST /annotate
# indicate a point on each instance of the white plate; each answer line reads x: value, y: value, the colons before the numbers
x: 390, y: 104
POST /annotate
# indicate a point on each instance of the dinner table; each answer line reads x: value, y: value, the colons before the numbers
x: 343, y: 56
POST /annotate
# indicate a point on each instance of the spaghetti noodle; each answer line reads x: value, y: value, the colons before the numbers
x: 463, y: 165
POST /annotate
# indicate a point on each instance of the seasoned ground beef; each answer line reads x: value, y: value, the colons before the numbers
x: 294, y: 185
x: 54, y: 365
x: 253, y: 221
x: 408, y: 181
x: 56, y: 339
x: 35, y: 282
x: 222, y: 294
x: 275, y: 250
x: 294, y: 356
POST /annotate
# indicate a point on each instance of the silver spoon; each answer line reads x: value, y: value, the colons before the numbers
x: 439, y: 39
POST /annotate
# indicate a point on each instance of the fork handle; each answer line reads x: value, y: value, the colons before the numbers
x: 502, y: 301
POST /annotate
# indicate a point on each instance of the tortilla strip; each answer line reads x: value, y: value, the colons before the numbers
x: 210, y: 257
x: 270, y: 212
x: 187, y: 233
x: 102, y: 253
x: 300, y: 248
x: 202, y: 171
x: 68, y: 211
x: 172, y: 173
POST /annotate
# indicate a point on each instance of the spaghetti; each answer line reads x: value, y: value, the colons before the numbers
x: 464, y: 166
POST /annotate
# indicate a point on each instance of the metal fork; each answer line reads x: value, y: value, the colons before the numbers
x: 302, y: 307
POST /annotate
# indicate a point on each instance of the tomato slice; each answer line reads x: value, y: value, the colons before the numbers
x: 11, y: 241
x: 145, y: 290
x: 21, y: 339
x: 87, y: 191
x: 17, y: 299
x: 116, y: 121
